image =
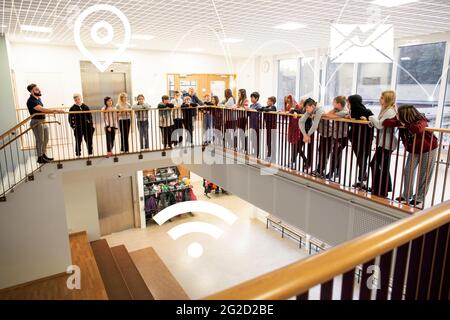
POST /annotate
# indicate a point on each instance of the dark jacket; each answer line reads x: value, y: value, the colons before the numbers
x: 359, y: 134
x: 196, y: 100
x: 270, y: 120
x: 268, y: 109
x: 80, y: 120
x: 191, y: 112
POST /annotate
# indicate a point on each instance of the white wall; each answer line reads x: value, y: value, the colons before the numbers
x: 34, y: 241
x: 8, y: 118
x: 80, y: 199
x: 57, y: 69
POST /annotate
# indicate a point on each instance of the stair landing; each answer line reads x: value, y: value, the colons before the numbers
x: 55, y: 287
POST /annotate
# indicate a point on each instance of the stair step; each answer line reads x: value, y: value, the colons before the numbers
x: 115, y: 285
x: 157, y: 276
x: 136, y: 285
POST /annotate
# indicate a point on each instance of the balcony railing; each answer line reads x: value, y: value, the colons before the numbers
x: 342, y: 152
x: 407, y: 260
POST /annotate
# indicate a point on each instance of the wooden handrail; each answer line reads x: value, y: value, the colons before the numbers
x: 21, y: 123
x: 28, y: 129
x: 300, y: 276
x: 433, y: 129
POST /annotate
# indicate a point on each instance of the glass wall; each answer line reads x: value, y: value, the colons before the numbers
x: 373, y: 78
x: 306, y: 83
x: 419, y: 75
x: 418, y: 80
x: 287, y: 79
x: 446, y: 112
x: 339, y: 81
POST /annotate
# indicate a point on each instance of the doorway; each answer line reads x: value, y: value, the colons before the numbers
x: 213, y: 84
x: 97, y: 85
x: 115, y: 204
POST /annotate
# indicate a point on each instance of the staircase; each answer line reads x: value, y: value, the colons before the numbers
x: 139, y: 275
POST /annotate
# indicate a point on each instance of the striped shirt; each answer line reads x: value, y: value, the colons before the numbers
x: 110, y: 118
x: 124, y: 115
x: 165, y: 116
x: 177, y: 112
x: 141, y: 111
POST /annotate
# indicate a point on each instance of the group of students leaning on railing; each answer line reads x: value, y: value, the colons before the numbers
x: 300, y: 120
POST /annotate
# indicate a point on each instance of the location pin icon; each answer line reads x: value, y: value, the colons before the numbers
x: 102, y: 66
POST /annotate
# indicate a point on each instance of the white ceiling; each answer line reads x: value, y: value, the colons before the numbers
x: 183, y: 25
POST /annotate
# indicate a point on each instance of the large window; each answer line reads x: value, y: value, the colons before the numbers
x: 446, y: 112
x: 373, y: 78
x: 306, y: 84
x: 339, y: 81
x: 419, y: 75
x: 287, y: 79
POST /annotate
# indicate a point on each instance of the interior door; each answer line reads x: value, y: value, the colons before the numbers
x: 97, y: 85
x: 203, y: 83
x: 115, y: 204
x: 217, y: 88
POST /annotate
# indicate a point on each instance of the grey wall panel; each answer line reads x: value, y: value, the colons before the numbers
x: 366, y: 221
x: 329, y: 218
x: 326, y: 214
x: 261, y: 190
x: 219, y: 175
x: 290, y: 203
x: 238, y: 180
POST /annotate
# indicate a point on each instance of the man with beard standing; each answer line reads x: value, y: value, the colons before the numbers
x: 40, y: 130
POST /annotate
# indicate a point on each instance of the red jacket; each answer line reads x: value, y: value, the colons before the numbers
x: 294, y: 132
x: 416, y: 129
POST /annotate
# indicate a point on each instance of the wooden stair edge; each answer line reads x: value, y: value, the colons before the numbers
x: 115, y: 285
x: 157, y: 276
x: 130, y: 273
x: 78, y: 233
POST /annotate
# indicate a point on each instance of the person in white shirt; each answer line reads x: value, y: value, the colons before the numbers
x: 124, y: 121
x: 111, y: 124
x: 141, y: 111
x: 386, y: 144
x: 178, y: 127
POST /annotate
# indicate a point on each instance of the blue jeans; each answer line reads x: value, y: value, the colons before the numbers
x: 143, y: 133
x: 207, y: 126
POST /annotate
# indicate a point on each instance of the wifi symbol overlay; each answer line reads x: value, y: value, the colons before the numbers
x: 195, y: 249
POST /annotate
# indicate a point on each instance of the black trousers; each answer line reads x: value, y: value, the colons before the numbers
x: 189, y: 126
x: 306, y: 152
x: 166, y: 136
x: 381, y: 177
x: 361, y: 138
x: 178, y: 125
x: 254, y: 141
x: 124, y: 126
x: 325, y: 147
x: 270, y: 121
x: 85, y: 133
x: 110, y: 137
x: 338, y: 146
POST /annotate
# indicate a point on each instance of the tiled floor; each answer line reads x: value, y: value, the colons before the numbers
x: 245, y: 250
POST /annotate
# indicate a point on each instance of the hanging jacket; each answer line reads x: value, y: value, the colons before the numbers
x: 171, y: 198
x: 186, y: 196
x: 151, y: 204
x: 179, y: 196
x: 192, y: 195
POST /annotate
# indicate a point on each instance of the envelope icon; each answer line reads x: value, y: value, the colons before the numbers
x: 362, y: 43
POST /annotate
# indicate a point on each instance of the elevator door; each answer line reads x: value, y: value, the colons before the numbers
x: 97, y: 85
x: 115, y: 204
